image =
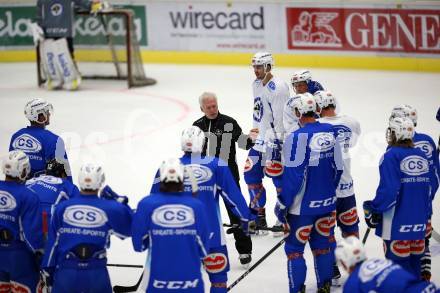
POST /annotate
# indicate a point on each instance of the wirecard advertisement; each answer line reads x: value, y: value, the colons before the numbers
x: 214, y: 26
x: 88, y: 30
x: 413, y: 31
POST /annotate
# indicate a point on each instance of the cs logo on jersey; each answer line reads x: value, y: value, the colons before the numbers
x: 7, y: 202
x: 370, y: 268
x: 258, y: 109
x: 46, y: 179
x: 56, y: 9
x: 414, y: 166
x: 173, y: 216
x: 215, y: 262
x: 27, y: 143
x: 425, y: 147
x: 322, y: 142
x: 201, y: 173
x: 85, y: 216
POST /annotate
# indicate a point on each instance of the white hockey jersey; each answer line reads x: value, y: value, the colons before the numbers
x: 290, y: 121
x: 348, y: 130
x: 269, y: 101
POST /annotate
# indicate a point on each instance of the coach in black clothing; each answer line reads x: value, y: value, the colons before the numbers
x: 222, y: 133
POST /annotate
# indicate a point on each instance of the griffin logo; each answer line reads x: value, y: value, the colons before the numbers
x: 314, y: 29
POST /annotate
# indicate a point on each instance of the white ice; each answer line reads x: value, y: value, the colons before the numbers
x: 130, y: 131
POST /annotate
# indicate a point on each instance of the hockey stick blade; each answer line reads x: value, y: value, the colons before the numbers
x: 125, y: 289
x: 124, y: 266
x: 256, y: 264
x: 234, y: 228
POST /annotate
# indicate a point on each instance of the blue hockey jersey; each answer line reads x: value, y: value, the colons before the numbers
x: 40, y: 145
x: 313, y: 86
x: 213, y: 178
x: 85, y: 219
x: 384, y: 276
x: 174, y: 229
x: 19, y: 214
x: 312, y: 169
x: 426, y: 144
x: 51, y: 191
x: 404, y: 189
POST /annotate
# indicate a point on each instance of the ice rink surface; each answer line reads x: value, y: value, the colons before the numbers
x: 131, y: 131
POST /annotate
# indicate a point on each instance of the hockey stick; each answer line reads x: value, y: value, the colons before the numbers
x: 366, y: 235
x: 124, y: 289
x: 234, y: 228
x: 256, y: 264
x: 124, y: 266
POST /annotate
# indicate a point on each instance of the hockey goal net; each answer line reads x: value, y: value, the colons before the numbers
x: 107, y: 47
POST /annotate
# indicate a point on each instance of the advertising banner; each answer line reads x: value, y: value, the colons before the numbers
x: 214, y: 26
x: 88, y: 31
x: 411, y: 31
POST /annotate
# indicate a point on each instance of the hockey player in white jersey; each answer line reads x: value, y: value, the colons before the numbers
x: 270, y: 95
x: 347, y: 130
x: 301, y: 83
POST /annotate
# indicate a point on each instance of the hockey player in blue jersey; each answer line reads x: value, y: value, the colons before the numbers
x: 79, y: 235
x: 376, y: 275
x: 21, y: 240
x: 40, y: 144
x: 174, y: 229
x: 51, y: 188
x: 426, y: 144
x: 400, y: 210
x: 301, y: 83
x: 214, y: 179
x: 312, y: 170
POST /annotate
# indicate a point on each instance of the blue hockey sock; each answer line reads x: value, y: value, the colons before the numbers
x: 324, y: 260
x: 296, y: 270
x: 257, y: 194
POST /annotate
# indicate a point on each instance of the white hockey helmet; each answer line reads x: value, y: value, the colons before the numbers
x: 192, y: 140
x: 405, y: 110
x: 402, y: 127
x: 263, y: 58
x: 350, y: 251
x: 16, y: 165
x: 171, y: 170
x: 326, y: 98
x: 91, y: 177
x: 303, y: 75
x: 35, y: 107
x: 305, y: 103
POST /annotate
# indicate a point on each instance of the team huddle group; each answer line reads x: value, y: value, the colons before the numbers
x: 54, y: 235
